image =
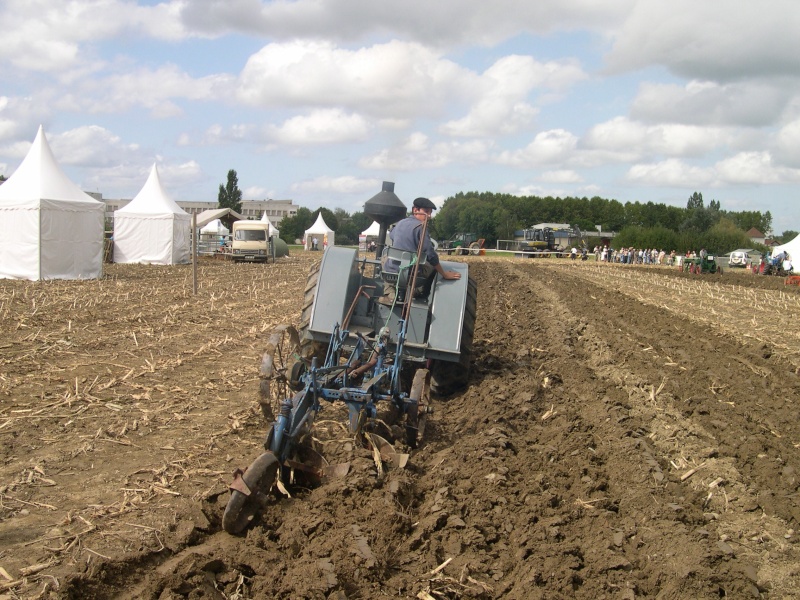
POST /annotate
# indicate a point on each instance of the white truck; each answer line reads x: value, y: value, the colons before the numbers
x: 251, y: 242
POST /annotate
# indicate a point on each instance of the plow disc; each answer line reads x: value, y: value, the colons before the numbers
x: 249, y: 492
x: 418, y: 416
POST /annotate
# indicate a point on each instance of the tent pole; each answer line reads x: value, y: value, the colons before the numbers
x: 194, y: 253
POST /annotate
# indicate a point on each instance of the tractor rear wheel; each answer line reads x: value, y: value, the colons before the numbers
x: 280, y: 370
x: 449, y: 377
x: 309, y: 348
x: 475, y: 248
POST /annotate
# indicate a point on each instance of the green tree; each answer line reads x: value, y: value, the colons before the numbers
x: 361, y: 221
x: 724, y: 237
x: 787, y: 236
x: 292, y: 228
x: 695, y: 201
x: 230, y: 196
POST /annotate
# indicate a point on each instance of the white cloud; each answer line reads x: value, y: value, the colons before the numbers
x: 417, y: 152
x: 750, y: 103
x: 339, y: 185
x: 547, y: 148
x: 500, y: 107
x: 20, y: 117
x: 327, y: 126
x: 561, y: 176
x: 786, y: 147
x: 42, y: 35
x: 722, y: 40
x: 125, y: 180
x: 671, y: 172
x: 256, y: 192
x: 442, y: 23
x: 744, y: 168
x: 92, y: 146
x: 392, y: 80
x: 749, y: 167
x: 154, y: 90
x: 624, y: 140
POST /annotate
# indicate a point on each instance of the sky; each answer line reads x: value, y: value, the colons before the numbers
x: 321, y: 101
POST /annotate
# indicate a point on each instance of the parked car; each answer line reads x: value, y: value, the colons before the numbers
x: 741, y: 257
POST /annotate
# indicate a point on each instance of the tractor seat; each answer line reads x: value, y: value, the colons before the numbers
x: 399, y: 261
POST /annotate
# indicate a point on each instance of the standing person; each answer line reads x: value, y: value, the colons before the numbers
x: 406, y: 235
x: 314, y: 243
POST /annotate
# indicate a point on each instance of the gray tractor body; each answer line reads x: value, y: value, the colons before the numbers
x: 349, y: 291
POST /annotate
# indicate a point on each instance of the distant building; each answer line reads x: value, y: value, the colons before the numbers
x: 251, y: 209
x: 756, y: 236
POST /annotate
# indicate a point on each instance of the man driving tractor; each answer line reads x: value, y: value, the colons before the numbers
x: 406, y: 235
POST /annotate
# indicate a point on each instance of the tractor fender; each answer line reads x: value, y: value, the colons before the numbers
x: 337, y: 287
x: 447, y: 311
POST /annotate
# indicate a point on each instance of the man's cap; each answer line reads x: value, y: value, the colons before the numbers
x: 424, y: 203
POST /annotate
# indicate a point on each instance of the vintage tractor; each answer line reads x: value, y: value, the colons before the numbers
x: 367, y: 342
x: 462, y: 244
x: 701, y: 265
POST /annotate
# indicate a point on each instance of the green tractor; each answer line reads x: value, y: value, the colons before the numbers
x: 462, y: 244
x: 702, y: 265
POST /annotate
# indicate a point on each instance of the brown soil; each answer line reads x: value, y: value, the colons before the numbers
x: 628, y: 433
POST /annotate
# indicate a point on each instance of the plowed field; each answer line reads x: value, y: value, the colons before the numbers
x: 627, y: 433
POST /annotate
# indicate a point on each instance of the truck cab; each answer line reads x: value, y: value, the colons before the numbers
x: 251, y: 241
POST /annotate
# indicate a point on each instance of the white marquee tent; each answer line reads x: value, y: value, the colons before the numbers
x: 321, y: 231
x: 373, y: 231
x: 214, y: 227
x: 273, y: 231
x: 49, y: 227
x: 792, y: 248
x: 152, y: 228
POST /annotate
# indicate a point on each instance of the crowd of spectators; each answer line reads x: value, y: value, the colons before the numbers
x: 639, y: 256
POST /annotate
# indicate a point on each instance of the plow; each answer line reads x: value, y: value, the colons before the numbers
x: 365, y: 343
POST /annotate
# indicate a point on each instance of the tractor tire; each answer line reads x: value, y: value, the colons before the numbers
x: 474, y: 248
x: 309, y: 348
x: 450, y: 377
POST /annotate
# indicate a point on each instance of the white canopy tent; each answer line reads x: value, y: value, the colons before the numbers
x: 792, y: 248
x: 214, y: 227
x: 205, y: 217
x: 152, y: 228
x: 320, y: 231
x: 49, y: 227
x: 373, y: 231
x: 273, y: 231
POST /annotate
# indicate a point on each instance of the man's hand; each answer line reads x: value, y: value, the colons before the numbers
x: 451, y: 275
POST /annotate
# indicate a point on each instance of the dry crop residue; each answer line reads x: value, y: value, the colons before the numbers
x: 627, y: 434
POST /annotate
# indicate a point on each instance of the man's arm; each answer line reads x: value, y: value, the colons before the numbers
x: 447, y: 274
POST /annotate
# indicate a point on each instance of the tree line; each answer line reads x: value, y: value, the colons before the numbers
x: 495, y: 216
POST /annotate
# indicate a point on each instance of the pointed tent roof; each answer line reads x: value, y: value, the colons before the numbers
x: 273, y: 231
x: 319, y: 226
x: 152, y: 199
x: 39, y: 177
x: 374, y: 229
